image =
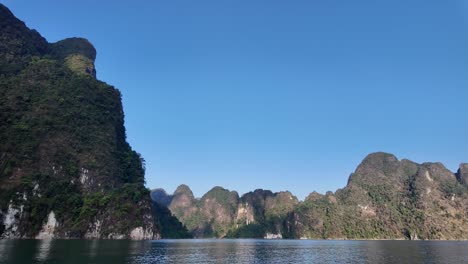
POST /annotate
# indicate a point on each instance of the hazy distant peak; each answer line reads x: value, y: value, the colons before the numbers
x: 160, y: 196
x: 159, y: 190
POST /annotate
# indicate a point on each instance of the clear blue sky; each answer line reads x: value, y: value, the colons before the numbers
x: 280, y: 95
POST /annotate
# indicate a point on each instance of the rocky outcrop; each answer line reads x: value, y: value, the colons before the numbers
x: 10, y: 221
x: 210, y: 216
x: 66, y: 170
x: 141, y: 233
x: 48, y: 229
x: 385, y: 198
x: 222, y: 213
x: 78, y: 54
x: 462, y: 174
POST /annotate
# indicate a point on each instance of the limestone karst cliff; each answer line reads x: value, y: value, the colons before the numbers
x: 385, y: 198
x: 66, y: 170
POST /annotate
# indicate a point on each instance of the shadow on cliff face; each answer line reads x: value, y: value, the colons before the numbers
x: 169, y: 225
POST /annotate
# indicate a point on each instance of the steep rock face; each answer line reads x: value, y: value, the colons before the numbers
x: 66, y: 169
x: 18, y: 44
x: 263, y: 213
x: 385, y: 198
x: 210, y: 216
x: 78, y: 54
x: 388, y: 199
x: 183, y: 202
x: 170, y: 225
x: 221, y: 213
x: 462, y: 174
x: 219, y: 207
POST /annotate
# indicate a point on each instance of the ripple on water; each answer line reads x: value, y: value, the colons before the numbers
x: 232, y: 251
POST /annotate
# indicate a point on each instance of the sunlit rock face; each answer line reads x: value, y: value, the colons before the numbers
x: 140, y: 233
x: 385, y: 198
x: 222, y: 213
x: 47, y: 231
x: 273, y: 236
x: 94, y: 230
x: 10, y: 221
x: 78, y: 54
x: 245, y: 215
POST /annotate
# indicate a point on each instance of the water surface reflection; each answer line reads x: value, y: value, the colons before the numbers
x: 43, y: 249
x: 231, y: 251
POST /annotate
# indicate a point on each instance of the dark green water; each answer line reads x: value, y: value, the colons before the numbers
x: 232, y: 251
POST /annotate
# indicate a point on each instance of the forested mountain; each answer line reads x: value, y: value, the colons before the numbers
x: 385, y: 198
x: 66, y: 169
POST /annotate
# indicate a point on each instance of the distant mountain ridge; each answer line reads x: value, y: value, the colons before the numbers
x: 385, y: 198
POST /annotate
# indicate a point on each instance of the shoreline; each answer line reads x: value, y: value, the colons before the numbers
x: 226, y: 239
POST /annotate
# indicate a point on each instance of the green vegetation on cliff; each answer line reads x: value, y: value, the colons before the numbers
x: 170, y: 226
x: 64, y: 146
x: 385, y: 198
x: 222, y: 213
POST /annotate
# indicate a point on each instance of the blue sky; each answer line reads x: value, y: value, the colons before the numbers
x: 280, y: 95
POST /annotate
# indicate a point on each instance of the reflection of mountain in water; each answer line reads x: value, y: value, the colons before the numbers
x: 232, y: 251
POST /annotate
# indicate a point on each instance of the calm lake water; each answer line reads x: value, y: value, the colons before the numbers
x: 232, y: 251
